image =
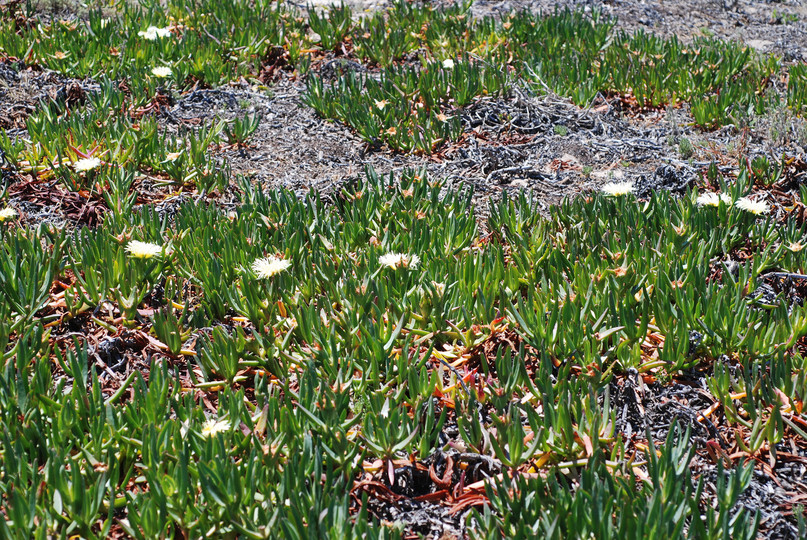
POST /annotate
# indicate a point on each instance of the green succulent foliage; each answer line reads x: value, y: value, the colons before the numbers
x: 107, y: 129
x: 339, y: 347
x: 459, y: 59
x: 797, y: 87
x: 28, y: 266
x: 667, y: 504
x: 567, y: 52
x: 409, y: 109
x: 338, y: 353
x: 205, y: 41
x: 242, y: 128
x: 331, y: 27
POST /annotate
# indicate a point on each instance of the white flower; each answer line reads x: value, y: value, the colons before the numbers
x: 7, y: 213
x: 152, y: 33
x: 86, y: 164
x: 213, y: 426
x: 161, y: 71
x: 268, y: 267
x: 755, y: 207
x: 448, y: 63
x: 615, y: 189
x: 143, y: 250
x: 713, y: 199
x: 396, y: 260
x: 708, y: 199
x: 390, y: 259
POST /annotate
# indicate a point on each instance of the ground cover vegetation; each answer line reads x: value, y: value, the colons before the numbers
x: 381, y: 363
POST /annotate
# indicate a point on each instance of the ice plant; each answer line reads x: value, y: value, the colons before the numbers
x: 269, y: 266
x: 708, y: 199
x: 143, y: 250
x: 617, y: 189
x: 211, y: 427
x: 7, y: 214
x: 86, y: 164
x: 397, y: 260
x: 152, y: 33
x: 713, y: 199
x: 439, y: 288
x: 755, y: 207
x: 795, y: 247
x: 161, y: 71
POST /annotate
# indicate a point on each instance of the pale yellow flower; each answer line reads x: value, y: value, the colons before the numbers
x: 713, y: 199
x: 755, y: 207
x: 390, y: 259
x: 211, y: 427
x: 161, y: 71
x: 152, y: 33
x: 143, y: 250
x: 269, y: 266
x: 448, y: 63
x: 397, y: 260
x: 86, y: 164
x: 616, y: 189
x: 7, y: 213
x: 380, y: 104
x: 708, y: 199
